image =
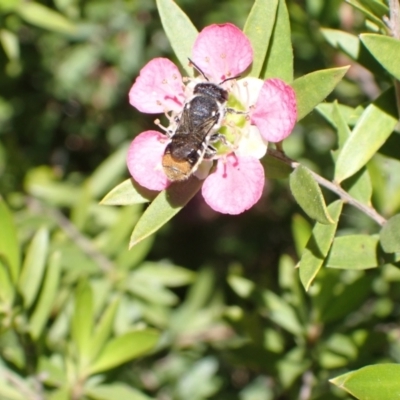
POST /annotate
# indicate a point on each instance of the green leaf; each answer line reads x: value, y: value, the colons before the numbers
x: 313, y: 88
x: 9, y: 5
x: 318, y: 246
x: 374, y: 382
x: 373, y: 128
x: 82, y: 322
x: 53, y: 371
x: 349, y: 114
x: 258, y: 28
x: 179, y: 30
x: 115, y: 391
x: 301, y: 232
x: 359, y: 186
x: 343, y: 129
x: 241, y: 286
x: 377, y: 7
x: 150, y: 292
x: 386, y: 50
x: 291, y: 366
x: 125, y: 348
x: 385, y: 180
x: 103, y: 329
x: 47, y: 296
x: 164, y: 274
x: 368, y: 14
x: 279, y: 62
x: 126, y: 193
x: 353, y: 252
x: 80, y: 211
x: 354, y: 48
x: 9, y: 247
x: 10, y: 44
x: 34, y: 266
x: 390, y: 235
x: 281, y: 313
x: 7, y: 289
x: 167, y: 204
x: 107, y: 173
x: 44, y: 17
x: 308, y: 195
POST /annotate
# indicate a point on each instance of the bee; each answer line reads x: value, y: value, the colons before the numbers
x: 196, y: 131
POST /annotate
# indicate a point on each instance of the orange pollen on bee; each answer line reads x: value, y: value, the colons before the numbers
x: 176, y: 170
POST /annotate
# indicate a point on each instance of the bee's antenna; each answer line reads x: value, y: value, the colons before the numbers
x: 198, y: 69
x: 229, y: 79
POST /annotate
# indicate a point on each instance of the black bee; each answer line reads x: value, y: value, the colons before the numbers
x: 197, y: 128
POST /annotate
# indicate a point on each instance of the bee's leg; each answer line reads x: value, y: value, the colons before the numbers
x: 233, y: 111
x: 209, y: 153
x: 217, y: 137
x: 168, y: 131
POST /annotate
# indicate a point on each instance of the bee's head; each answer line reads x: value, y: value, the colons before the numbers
x: 211, y: 90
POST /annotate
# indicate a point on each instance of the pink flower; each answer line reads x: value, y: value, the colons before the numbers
x: 265, y: 112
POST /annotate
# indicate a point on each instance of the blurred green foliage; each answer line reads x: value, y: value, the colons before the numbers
x: 214, y: 302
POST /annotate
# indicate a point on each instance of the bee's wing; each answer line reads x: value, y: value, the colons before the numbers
x: 185, y: 123
x: 206, y: 126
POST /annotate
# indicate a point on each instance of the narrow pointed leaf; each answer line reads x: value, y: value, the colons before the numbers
x: 313, y: 88
x: 108, y: 172
x: 281, y: 313
x: 258, y: 28
x: 34, y: 266
x: 115, y: 391
x: 354, y: 48
x: 343, y: 129
x: 126, y: 193
x: 374, y: 382
x: 10, y: 43
x: 377, y: 7
x: 179, y: 30
x: 350, y: 115
x: 7, y: 288
x: 301, y: 232
x: 44, y: 17
x: 125, y: 348
x: 318, y: 246
x: 47, y: 296
x: 82, y: 321
x: 9, y: 247
x: 103, y: 329
x: 167, y: 204
x: 279, y: 63
x: 372, y: 130
x: 390, y: 235
x: 353, y: 252
x: 386, y: 50
x: 308, y: 195
x: 368, y: 14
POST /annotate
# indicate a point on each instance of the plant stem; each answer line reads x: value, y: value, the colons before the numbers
x: 333, y: 187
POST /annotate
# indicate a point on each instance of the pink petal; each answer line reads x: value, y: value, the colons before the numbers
x: 275, y: 112
x: 235, y: 186
x: 222, y: 51
x: 144, y: 160
x: 158, y: 88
